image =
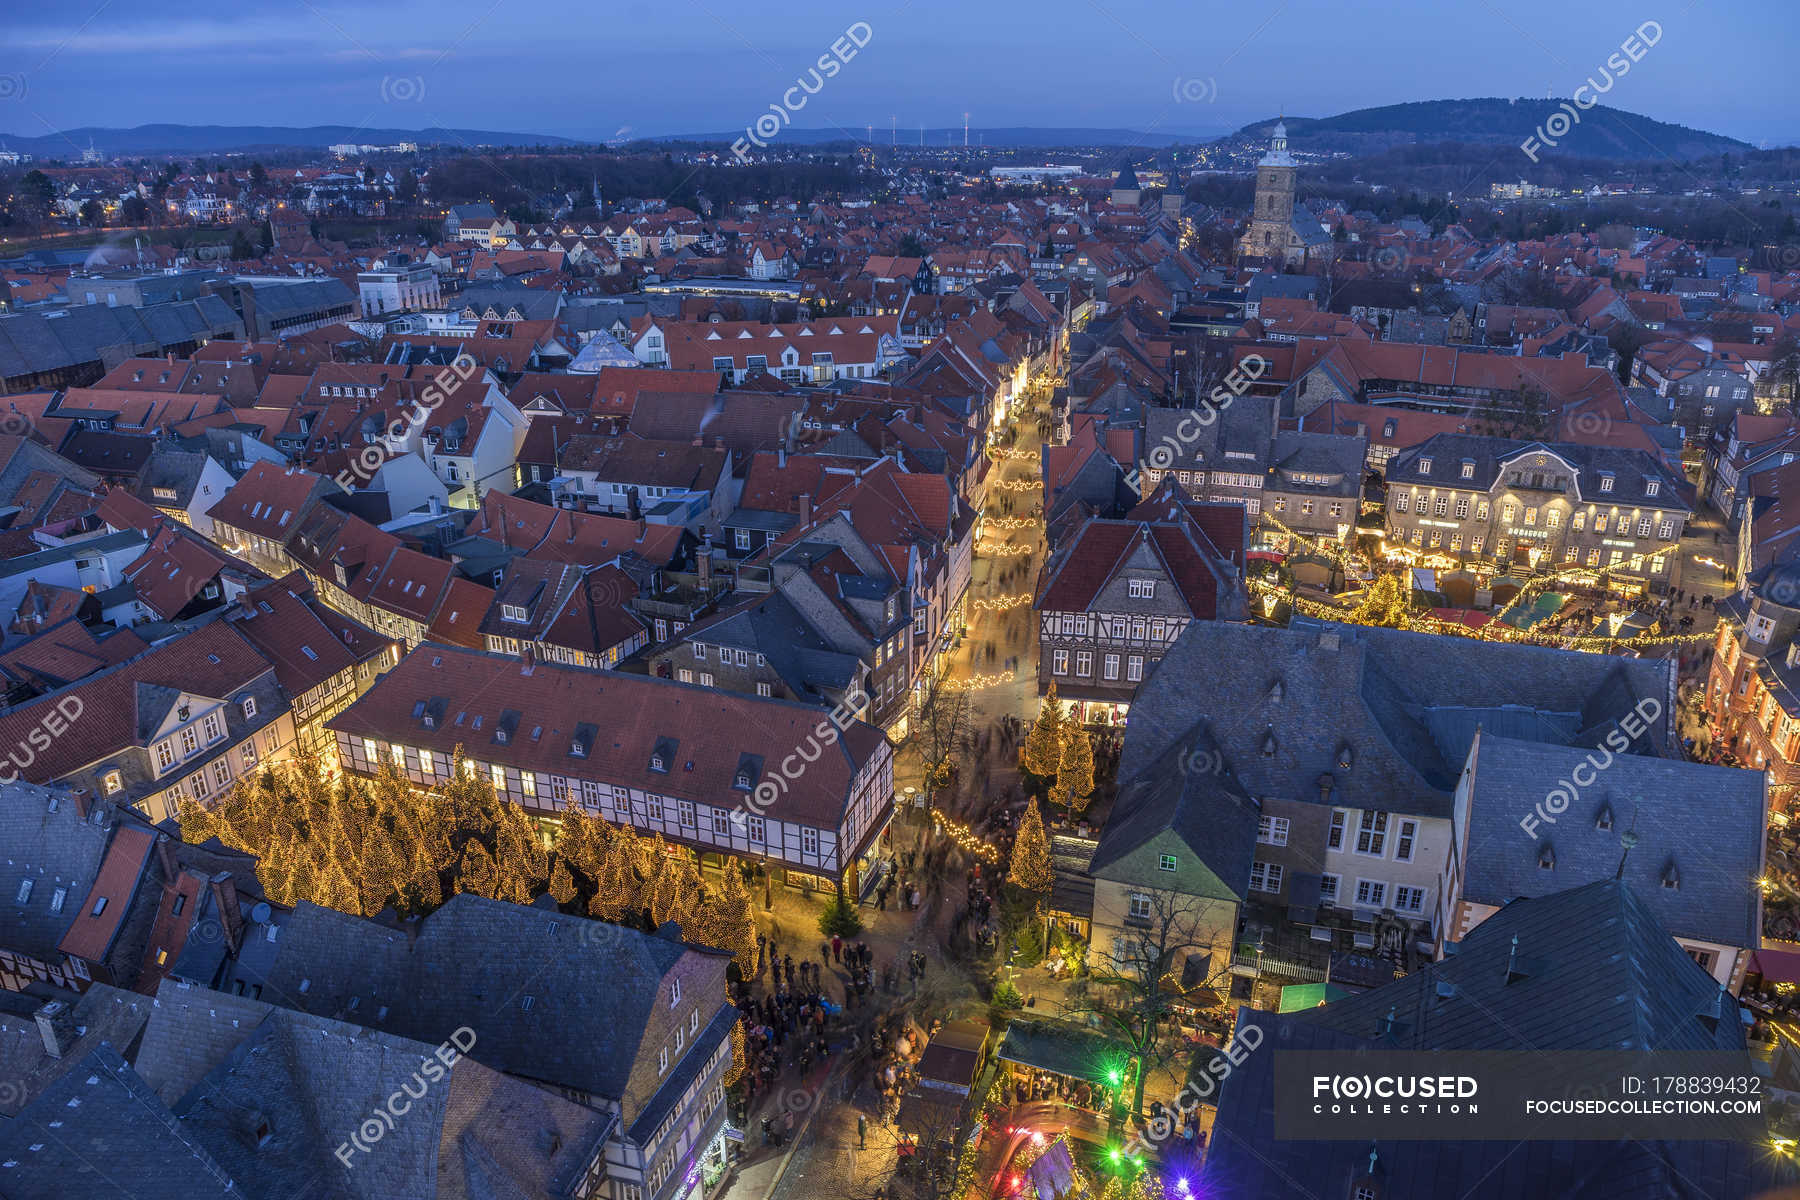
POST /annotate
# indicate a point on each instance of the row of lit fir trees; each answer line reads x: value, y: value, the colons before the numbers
x: 362, y: 845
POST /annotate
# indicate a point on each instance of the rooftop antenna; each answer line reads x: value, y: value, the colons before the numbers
x: 893, y: 130
x: 1628, y: 839
x: 965, y: 131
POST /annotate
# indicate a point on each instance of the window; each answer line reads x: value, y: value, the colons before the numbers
x: 683, y: 675
x: 699, y: 651
x: 1705, y: 958
x: 1265, y: 877
x: 249, y: 708
x: 1468, y: 469
x: 1508, y: 510
x: 1652, y: 487
x: 498, y: 774
x: 1111, y: 669
x: 221, y: 773
x: 1084, y: 663
x: 190, y: 741
x: 1409, y: 899
x: 1166, y: 863
x: 99, y: 907
x: 1425, y: 466
x: 758, y: 829
x: 1143, y: 589
x: 653, y: 806
x: 809, y: 841
x: 1606, y: 483
x: 1272, y: 831
x: 1643, y: 527
x: 1371, y: 893
x: 114, y: 782
x: 1372, y: 835
x: 165, y: 756
x: 1140, y: 906
x: 25, y: 886
x: 1403, y: 845
x: 215, y: 729
x: 721, y: 822
x: 1328, y: 889
x: 58, y: 898
x: 1441, y: 506
x: 706, y: 679
x: 684, y: 812
x: 1334, y: 837
x: 662, y: 1061
x: 674, y: 992
x: 1481, y: 511
x: 1134, y: 668
x: 1059, y: 662
x: 1462, y: 507
x: 1400, y: 504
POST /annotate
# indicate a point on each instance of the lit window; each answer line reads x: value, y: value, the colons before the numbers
x: 1166, y: 863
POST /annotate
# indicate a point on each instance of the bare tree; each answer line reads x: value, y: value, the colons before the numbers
x: 1171, y: 953
x: 942, y: 727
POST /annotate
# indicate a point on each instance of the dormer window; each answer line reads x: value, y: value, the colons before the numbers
x: 1468, y: 468
x: 743, y: 781
x: 1546, y: 857
x: 1425, y: 466
x: 1652, y: 486
x: 658, y: 763
x: 512, y: 612
x: 1606, y: 482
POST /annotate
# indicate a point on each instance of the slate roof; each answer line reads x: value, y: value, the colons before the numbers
x: 472, y: 963
x: 1705, y: 821
x: 34, y: 342
x: 471, y: 1134
x: 111, y: 1137
x: 1600, y: 973
x: 1377, y: 693
x: 52, y: 849
x: 1209, y: 811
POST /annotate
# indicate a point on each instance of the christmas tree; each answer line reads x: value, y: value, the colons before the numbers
x: 1030, y: 866
x: 1043, y: 745
x: 1386, y: 604
x: 1075, y: 774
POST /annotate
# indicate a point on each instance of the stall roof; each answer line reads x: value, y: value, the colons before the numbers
x: 1062, y: 1050
x: 954, y: 1055
x: 1297, y: 996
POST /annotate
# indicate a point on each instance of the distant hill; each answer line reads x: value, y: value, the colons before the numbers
x: 1602, y: 132
x: 1021, y: 136
x: 216, y: 139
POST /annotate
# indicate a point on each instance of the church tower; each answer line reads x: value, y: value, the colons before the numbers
x: 1271, y: 233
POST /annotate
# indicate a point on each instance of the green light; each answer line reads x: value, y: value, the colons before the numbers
x: 1114, y: 1078
x: 1114, y: 1154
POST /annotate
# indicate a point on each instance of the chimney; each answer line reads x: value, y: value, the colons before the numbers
x: 56, y: 1025
x: 224, y: 891
x: 805, y: 509
x: 781, y: 456
x: 705, y: 565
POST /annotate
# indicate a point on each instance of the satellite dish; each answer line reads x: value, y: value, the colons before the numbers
x: 261, y: 913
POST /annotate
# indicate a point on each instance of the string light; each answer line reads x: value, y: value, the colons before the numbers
x: 976, y: 683
x: 1014, y: 522
x: 965, y: 837
x: 1001, y: 549
x: 1001, y: 603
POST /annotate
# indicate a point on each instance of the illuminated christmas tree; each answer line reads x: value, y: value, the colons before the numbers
x: 1075, y: 774
x: 1030, y: 866
x: 1043, y: 745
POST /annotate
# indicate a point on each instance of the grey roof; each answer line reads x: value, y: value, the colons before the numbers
x: 1340, y: 457
x: 45, y: 341
x: 1245, y: 426
x: 1601, y: 973
x: 792, y: 646
x: 102, y: 1014
x: 1182, y: 793
x: 1632, y: 471
x: 56, y: 850
x: 1268, y: 285
x: 99, y: 1132
x: 308, y: 1084
x: 1705, y: 821
x: 1286, y: 706
x: 473, y: 962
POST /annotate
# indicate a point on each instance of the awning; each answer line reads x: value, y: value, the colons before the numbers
x: 1297, y: 997
x: 1062, y: 1050
x: 1776, y: 966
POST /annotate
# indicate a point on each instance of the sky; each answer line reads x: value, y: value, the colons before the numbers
x: 636, y: 68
